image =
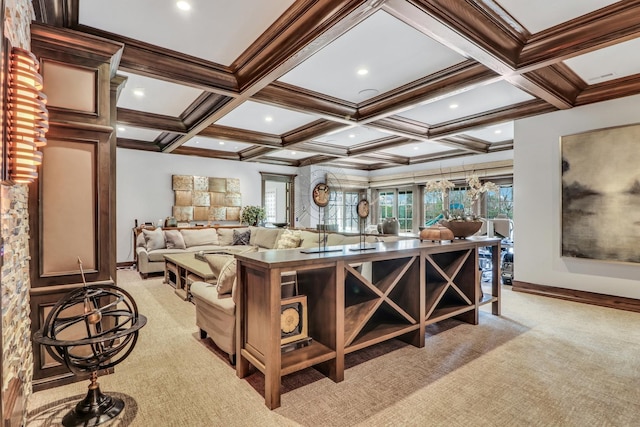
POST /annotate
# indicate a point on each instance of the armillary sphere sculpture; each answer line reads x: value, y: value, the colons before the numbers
x: 92, y: 328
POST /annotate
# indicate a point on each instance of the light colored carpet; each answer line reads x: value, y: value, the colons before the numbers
x: 544, y: 362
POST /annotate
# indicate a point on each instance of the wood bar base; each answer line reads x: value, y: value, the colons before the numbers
x: 355, y: 299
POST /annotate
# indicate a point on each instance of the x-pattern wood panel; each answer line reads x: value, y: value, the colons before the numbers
x: 496, y: 45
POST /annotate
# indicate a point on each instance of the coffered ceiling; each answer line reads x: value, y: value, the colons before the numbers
x: 362, y: 84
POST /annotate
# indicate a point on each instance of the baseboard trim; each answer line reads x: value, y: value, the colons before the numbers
x: 611, y: 301
x: 125, y: 264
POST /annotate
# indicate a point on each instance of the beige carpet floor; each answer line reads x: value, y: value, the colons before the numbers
x: 544, y: 362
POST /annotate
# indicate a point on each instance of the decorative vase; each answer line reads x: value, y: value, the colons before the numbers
x: 390, y: 226
x: 462, y: 229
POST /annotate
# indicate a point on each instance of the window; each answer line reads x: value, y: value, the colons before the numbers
x: 342, y: 208
x: 386, y: 203
x: 397, y: 204
x: 500, y: 203
x: 456, y: 201
x: 405, y: 210
x: 270, y: 205
x: 433, y: 205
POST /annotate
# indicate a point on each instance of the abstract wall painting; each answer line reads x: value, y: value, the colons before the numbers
x: 601, y: 194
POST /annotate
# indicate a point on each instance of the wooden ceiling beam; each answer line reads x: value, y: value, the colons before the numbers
x: 379, y: 144
x: 150, y: 121
x: 240, y: 135
x: 310, y: 131
x: 486, y: 34
x: 610, y: 25
x: 315, y: 147
x: 135, y: 144
x: 253, y: 153
x: 203, y: 152
x: 617, y: 88
x: 308, y: 102
x: 524, y: 109
x: 464, y: 76
x: 301, y: 31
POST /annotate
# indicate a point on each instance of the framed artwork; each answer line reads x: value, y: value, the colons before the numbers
x: 600, y: 209
x: 321, y: 195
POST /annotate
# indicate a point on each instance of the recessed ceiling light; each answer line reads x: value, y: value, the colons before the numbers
x: 183, y: 5
x: 268, y: 119
x: 121, y: 129
x: 352, y: 135
x: 139, y: 92
x: 363, y: 72
x: 416, y: 148
x: 221, y: 142
x: 195, y: 141
x: 497, y: 131
x: 293, y: 153
x: 453, y: 106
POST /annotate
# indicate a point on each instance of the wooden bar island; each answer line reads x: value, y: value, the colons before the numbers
x: 355, y: 299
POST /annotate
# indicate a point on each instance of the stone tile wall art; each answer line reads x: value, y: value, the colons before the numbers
x: 201, y: 198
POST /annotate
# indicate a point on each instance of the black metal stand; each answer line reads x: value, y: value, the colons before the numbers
x: 96, y: 408
x: 363, y: 245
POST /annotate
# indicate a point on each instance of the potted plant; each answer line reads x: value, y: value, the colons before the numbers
x: 252, y: 215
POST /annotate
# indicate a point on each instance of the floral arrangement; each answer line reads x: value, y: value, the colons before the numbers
x: 473, y: 193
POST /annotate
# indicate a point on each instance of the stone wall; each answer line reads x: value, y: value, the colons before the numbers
x: 17, y: 359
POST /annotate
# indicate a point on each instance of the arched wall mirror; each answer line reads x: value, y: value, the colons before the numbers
x: 278, y: 198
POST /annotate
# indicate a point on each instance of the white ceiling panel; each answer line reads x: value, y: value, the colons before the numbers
x: 610, y: 63
x: 215, y: 30
x: 539, y: 15
x: 216, y: 144
x: 265, y: 118
x: 131, y: 132
x: 155, y: 96
x: 417, y: 149
x: 291, y: 154
x: 496, y: 133
x: 478, y: 100
x: 352, y: 136
x: 392, y: 52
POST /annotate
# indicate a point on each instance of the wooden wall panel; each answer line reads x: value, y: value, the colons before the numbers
x: 69, y: 203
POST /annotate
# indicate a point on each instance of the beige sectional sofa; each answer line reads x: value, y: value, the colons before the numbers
x: 215, y: 300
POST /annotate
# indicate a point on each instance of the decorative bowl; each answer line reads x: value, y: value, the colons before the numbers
x: 462, y: 229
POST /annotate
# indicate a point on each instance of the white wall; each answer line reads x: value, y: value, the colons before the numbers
x: 144, y: 186
x: 537, y: 198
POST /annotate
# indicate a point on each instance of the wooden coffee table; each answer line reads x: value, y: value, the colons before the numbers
x: 180, y: 270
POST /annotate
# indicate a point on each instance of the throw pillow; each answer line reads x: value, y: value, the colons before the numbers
x: 227, y: 277
x: 174, y: 239
x: 289, y: 240
x: 154, y: 239
x: 266, y: 237
x: 216, y: 262
x: 241, y: 238
x: 140, y: 243
x: 201, y: 237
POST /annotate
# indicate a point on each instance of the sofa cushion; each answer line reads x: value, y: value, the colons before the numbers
x: 217, y: 261
x: 227, y: 276
x: 158, y: 254
x: 204, y: 293
x: 154, y: 239
x: 265, y: 237
x: 205, y: 236
x: 334, y: 239
x: 174, y: 239
x: 241, y: 237
x: 288, y: 240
